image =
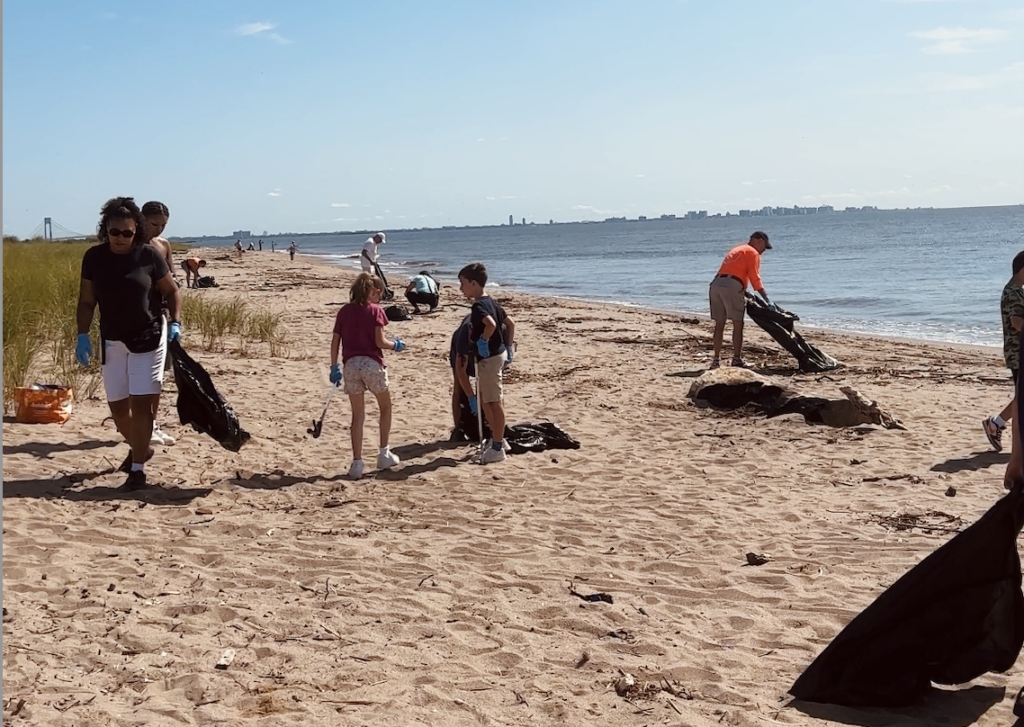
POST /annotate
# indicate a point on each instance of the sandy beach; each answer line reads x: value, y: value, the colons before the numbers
x: 441, y: 592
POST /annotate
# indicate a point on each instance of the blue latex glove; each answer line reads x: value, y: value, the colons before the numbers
x: 508, y: 359
x: 399, y: 345
x: 336, y: 374
x: 472, y: 405
x: 83, y: 349
x: 483, y: 348
x: 173, y: 331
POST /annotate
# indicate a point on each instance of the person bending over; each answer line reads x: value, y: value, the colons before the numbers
x: 191, y: 265
x: 359, y: 334
x: 422, y: 290
x: 126, y: 278
x: 742, y: 266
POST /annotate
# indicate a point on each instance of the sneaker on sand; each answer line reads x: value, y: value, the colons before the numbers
x: 493, y: 455
x: 355, y: 470
x: 505, y: 446
x: 160, y: 437
x: 715, y: 363
x: 994, y: 433
x: 740, y: 363
x: 387, y: 459
x: 136, y: 480
x: 126, y: 466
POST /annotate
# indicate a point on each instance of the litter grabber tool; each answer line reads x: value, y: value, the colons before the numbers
x: 388, y: 292
x: 318, y: 424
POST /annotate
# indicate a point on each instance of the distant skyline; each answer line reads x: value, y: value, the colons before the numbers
x: 321, y: 116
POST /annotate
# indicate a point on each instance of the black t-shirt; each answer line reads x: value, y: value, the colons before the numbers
x: 461, y: 347
x: 125, y: 289
x: 482, y: 308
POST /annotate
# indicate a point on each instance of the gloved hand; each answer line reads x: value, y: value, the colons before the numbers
x: 472, y: 405
x: 399, y: 345
x: 774, y: 307
x: 173, y: 331
x: 336, y: 374
x: 83, y: 349
x: 508, y: 358
x: 483, y: 348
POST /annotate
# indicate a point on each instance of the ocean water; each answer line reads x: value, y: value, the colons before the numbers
x: 924, y: 274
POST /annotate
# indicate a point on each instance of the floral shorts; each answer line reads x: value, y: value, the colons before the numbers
x: 362, y: 373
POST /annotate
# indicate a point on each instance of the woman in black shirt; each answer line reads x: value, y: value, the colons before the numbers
x: 127, y: 279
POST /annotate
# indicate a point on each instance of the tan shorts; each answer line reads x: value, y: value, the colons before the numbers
x: 727, y: 301
x: 364, y: 374
x: 488, y: 373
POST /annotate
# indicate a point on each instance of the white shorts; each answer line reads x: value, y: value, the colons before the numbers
x: 133, y: 374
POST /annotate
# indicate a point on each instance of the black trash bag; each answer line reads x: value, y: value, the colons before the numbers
x: 779, y: 325
x: 957, y: 614
x: 397, y: 313
x: 200, y: 405
x: 469, y: 426
x: 538, y: 437
x: 388, y: 292
x: 207, y: 281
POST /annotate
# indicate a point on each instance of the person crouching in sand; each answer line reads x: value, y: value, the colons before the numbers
x: 359, y: 333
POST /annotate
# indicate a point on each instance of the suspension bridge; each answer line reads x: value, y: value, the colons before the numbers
x: 50, y: 230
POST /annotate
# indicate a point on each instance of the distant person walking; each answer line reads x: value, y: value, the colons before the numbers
x: 292, y: 249
x: 422, y: 290
x: 741, y: 267
x: 238, y: 247
x: 127, y: 278
x: 261, y: 245
x: 273, y: 246
x: 1011, y: 307
x: 369, y: 257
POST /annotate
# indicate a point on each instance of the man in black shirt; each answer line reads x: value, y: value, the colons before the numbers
x: 127, y: 279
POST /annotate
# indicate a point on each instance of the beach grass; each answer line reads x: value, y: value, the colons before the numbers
x: 41, y: 281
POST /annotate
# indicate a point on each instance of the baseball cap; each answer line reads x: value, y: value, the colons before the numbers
x: 758, y: 235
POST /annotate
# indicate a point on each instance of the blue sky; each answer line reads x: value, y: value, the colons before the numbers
x: 320, y: 116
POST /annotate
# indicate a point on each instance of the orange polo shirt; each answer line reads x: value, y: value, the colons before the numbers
x: 744, y: 262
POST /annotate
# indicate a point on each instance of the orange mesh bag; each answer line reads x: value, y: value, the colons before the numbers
x: 43, y: 404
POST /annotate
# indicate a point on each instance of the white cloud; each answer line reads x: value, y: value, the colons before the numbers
x: 957, y: 40
x: 261, y: 30
x: 639, y: 176
x: 340, y: 204
x: 273, y: 194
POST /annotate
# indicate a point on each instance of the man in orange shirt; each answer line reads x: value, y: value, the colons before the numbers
x: 742, y: 266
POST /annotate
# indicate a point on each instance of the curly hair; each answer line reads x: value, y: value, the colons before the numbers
x: 363, y: 286
x: 155, y: 208
x: 120, y: 208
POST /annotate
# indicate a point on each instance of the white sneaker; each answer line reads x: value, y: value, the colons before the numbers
x: 159, y: 436
x: 493, y: 455
x: 505, y: 446
x: 386, y: 459
x: 355, y: 470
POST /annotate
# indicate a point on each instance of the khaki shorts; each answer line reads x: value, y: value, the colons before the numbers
x: 488, y: 373
x: 364, y: 374
x: 727, y: 301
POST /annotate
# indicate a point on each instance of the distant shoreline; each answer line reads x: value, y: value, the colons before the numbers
x: 663, y: 219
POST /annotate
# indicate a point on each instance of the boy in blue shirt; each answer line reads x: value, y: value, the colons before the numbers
x: 492, y: 334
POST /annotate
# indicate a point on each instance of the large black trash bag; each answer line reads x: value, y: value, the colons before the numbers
x: 469, y: 426
x: 200, y: 405
x: 538, y: 437
x: 957, y: 614
x: 779, y: 325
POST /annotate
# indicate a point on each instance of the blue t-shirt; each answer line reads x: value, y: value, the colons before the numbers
x: 487, y: 306
x: 424, y: 284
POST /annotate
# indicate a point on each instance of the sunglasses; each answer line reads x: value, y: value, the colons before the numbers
x: 114, y: 232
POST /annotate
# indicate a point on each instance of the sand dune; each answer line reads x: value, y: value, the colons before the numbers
x: 441, y: 593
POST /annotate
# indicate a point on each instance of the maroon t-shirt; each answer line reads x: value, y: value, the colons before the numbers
x: 357, y: 325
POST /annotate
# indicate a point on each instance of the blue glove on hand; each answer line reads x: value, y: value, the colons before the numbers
x: 83, y: 349
x: 508, y: 359
x: 173, y: 331
x: 336, y: 374
x: 399, y: 345
x: 483, y: 348
x: 472, y: 405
